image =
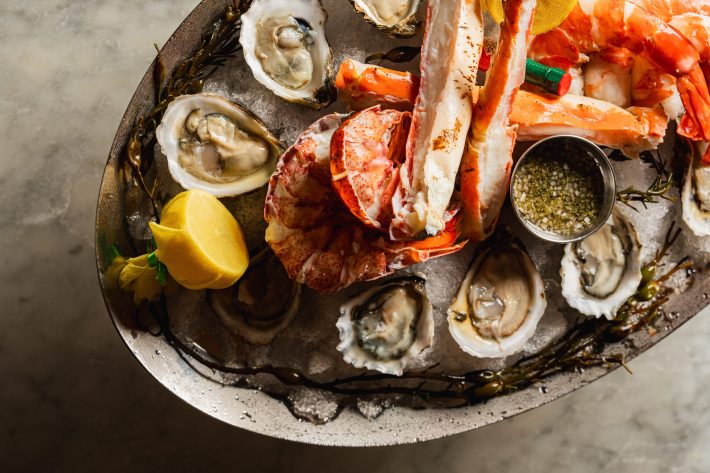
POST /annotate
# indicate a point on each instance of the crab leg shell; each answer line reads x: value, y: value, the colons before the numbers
x: 631, y: 130
x: 442, y: 114
x: 386, y: 86
x: 363, y: 85
x: 487, y: 161
x: 539, y: 116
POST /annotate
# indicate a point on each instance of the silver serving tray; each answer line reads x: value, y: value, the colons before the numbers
x: 255, y: 411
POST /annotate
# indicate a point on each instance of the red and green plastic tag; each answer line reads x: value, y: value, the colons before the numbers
x: 552, y: 80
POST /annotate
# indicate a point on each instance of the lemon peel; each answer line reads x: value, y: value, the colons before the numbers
x: 200, y: 242
x: 549, y: 14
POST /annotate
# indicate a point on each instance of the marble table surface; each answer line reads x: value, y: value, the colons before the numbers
x: 73, y: 398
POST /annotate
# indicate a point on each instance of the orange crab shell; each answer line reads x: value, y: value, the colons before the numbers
x: 316, y: 238
x: 364, y: 85
x: 406, y: 253
x: 365, y: 155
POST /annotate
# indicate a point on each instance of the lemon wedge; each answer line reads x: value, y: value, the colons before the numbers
x: 549, y: 14
x: 200, y: 242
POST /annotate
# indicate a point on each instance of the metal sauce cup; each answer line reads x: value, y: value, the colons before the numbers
x: 587, y: 150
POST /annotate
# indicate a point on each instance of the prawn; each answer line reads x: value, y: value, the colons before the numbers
x: 642, y: 28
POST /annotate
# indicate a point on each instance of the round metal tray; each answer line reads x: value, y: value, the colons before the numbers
x: 253, y: 410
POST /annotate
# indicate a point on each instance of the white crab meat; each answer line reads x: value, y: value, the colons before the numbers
x: 441, y: 118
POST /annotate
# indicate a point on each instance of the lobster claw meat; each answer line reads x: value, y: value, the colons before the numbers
x: 315, y: 235
x: 366, y: 152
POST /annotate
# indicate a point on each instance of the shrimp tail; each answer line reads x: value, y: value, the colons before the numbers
x: 693, y: 90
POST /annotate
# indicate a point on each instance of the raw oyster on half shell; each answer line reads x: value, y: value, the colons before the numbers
x: 696, y: 192
x: 600, y: 272
x: 215, y: 145
x: 285, y: 46
x: 261, y: 304
x: 499, y: 303
x: 396, y: 17
x: 386, y: 326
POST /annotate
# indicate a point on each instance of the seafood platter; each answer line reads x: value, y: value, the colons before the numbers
x: 373, y: 222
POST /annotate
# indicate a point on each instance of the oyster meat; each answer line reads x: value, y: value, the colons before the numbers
x: 285, y: 46
x: 396, y: 17
x: 387, y: 326
x: 261, y: 304
x: 600, y: 272
x: 499, y: 303
x: 214, y: 145
x: 696, y: 193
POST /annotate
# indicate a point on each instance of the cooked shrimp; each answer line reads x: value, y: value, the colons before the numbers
x: 608, y: 77
x: 696, y: 28
x: 640, y: 26
x: 667, y: 9
x: 362, y: 86
x: 651, y: 87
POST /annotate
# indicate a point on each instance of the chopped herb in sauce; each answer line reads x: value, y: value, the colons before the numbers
x: 559, y: 188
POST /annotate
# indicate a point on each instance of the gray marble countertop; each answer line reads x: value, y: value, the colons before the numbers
x: 73, y: 398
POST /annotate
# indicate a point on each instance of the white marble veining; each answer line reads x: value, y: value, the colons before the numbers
x: 72, y: 397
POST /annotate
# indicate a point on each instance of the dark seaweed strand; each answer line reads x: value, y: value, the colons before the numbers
x: 582, y: 347
x: 659, y: 188
x: 216, y: 46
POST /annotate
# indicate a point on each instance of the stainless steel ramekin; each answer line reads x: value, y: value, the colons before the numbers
x: 588, y: 151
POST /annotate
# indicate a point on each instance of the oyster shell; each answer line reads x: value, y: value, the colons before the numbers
x: 600, y: 272
x: 261, y: 304
x: 499, y: 303
x: 386, y: 326
x: 285, y: 46
x: 696, y: 193
x: 396, y: 17
x: 215, y: 145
